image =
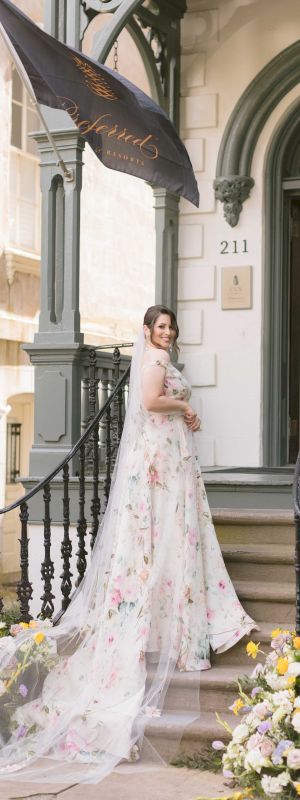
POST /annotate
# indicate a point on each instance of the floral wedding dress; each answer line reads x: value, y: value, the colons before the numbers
x: 155, y: 598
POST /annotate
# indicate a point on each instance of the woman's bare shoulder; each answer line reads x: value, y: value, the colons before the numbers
x: 156, y: 358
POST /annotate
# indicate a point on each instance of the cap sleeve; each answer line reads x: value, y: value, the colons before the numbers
x: 156, y: 363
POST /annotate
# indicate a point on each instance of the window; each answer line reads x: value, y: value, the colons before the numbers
x: 24, y: 190
x: 13, y: 452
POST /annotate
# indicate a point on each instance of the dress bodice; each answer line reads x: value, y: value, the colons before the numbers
x: 175, y: 384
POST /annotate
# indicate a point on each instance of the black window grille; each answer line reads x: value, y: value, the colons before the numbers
x: 13, y: 452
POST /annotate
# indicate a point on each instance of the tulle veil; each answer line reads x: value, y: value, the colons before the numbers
x: 75, y: 698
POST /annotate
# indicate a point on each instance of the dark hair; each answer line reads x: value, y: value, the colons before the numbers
x: 152, y: 315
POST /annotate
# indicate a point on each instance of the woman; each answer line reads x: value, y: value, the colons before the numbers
x: 156, y: 595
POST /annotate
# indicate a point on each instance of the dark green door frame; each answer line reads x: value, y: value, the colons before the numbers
x: 281, y: 183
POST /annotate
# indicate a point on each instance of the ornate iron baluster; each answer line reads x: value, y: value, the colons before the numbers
x: 107, y: 481
x: 93, y: 407
x: 47, y: 569
x: 66, y: 545
x: 115, y: 426
x: 104, y: 396
x: 95, y: 504
x: 81, y: 525
x: 24, y: 588
x: 84, y: 404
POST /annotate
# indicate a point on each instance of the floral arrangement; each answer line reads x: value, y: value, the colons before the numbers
x: 263, y: 756
x: 26, y: 668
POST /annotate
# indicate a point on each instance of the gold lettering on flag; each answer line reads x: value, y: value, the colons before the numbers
x: 95, y: 82
x: 106, y: 125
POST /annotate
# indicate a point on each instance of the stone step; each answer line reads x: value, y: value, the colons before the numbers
x: 260, y: 562
x: 209, y: 690
x: 164, y: 733
x: 268, y: 601
x: 254, y: 526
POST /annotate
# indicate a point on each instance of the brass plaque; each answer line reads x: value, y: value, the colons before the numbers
x: 236, y: 287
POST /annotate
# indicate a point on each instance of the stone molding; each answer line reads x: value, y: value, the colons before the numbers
x: 20, y: 261
x: 247, y: 120
x: 232, y: 192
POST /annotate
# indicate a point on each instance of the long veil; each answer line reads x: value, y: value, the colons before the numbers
x: 75, y: 699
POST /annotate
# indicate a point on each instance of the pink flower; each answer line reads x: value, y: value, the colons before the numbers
x: 116, y: 597
x: 110, y: 639
x: 15, y: 629
x: 222, y: 585
x: 267, y: 747
x: 143, y: 575
x: 253, y: 741
x: 210, y: 614
x: 169, y: 582
x: 192, y: 536
x: 153, y: 474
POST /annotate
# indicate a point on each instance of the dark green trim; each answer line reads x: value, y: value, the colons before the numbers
x: 282, y: 166
x: 247, y: 120
x: 253, y: 109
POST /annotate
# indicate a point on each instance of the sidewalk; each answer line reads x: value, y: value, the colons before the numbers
x: 167, y: 784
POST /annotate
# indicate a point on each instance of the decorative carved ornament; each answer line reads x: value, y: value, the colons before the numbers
x: 233, y: 191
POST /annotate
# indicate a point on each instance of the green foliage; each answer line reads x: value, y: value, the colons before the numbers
x: 209, y: 761
x: 10, y: 616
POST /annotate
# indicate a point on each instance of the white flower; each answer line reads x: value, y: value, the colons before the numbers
x: 296, y: 722
x: 240, y: 733
x: 294, y: 669
x: 279, y: 714
x: 297, y: 702
x: 293, y: 758
x: 276, y: 682
x: 274, y: 785
x: 261, y: 709
x: 283, y: 700
x: 257, y: 670
x: 2, y: 625
x: 255, y: 760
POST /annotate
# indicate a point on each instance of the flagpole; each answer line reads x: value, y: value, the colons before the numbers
x: 68, y: 174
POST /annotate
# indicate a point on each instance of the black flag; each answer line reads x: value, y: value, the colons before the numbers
x: 125, y: 128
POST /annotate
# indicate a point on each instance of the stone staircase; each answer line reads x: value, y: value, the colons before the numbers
x: 258, y: 548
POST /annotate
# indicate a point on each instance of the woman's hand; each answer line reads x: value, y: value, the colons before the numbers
x: 191, y: 419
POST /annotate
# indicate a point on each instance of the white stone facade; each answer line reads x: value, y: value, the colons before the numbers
x: 224, y: 46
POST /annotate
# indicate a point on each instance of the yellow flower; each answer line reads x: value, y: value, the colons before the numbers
x: 296, y: 786
x: 291, y: 680
x: 33, y: 623
x: 282, y: 666
x: 24, y: 625
x: 275, y: 633
x: 237, y: 705
x: 252, y: 649
x: 39, y: 637
x: 296, y: 642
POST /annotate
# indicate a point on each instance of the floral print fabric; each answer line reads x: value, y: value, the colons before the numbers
x: 167, y: 487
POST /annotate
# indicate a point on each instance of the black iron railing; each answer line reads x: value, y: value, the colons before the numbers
x: 297, y: 545
x: 96, y: 451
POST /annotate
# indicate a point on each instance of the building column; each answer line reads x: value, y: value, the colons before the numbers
x: 55, y: 352
x: 166, y: 224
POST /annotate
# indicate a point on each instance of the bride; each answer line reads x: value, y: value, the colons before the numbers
x: 76, y: 698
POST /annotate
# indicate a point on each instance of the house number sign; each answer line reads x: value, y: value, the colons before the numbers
x: 233, y: 247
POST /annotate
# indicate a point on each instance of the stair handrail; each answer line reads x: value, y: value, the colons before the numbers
x: 296, y: 499
x: 42, y: 483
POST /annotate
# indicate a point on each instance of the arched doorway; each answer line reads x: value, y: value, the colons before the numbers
x: 281, y: 322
